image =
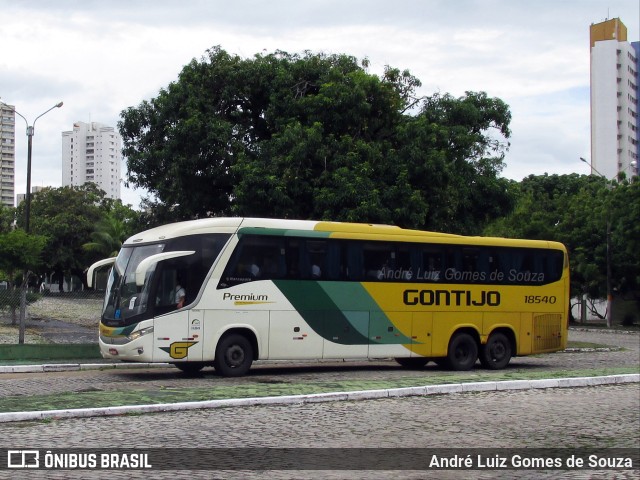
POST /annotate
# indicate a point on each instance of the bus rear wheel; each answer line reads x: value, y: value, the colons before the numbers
x: 234, y: 356
x: 463, y: 352
x: 413, y: 362
x: 496, y: 353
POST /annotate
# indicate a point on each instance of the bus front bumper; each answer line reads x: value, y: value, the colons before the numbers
x: 138, y: 350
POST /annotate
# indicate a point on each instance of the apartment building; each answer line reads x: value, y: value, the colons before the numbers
x: 614, y: 100
x: 91, y: 152
x: 7, y: 154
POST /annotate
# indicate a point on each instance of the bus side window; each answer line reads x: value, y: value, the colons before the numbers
x: 430, y: 266
x: 403, y: 263
x: 315, y: 260
x: 354, y: 261
x: 379, y: 261
x: 255, y: 258
x: 293, y: 259
x: 239, y: 269
x: 335, y: 265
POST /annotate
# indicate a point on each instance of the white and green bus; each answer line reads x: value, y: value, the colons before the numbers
x: 228, y: 291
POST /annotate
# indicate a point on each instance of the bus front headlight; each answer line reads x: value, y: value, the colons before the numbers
x: 139, y: 333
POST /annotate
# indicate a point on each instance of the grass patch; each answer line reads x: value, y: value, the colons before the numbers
x: 97, y: 399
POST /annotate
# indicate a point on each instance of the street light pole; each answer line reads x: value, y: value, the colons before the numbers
x: 30, y: 132
x: 608, y: 238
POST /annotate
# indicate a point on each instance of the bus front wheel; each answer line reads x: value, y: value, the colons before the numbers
x: 496, y: 353
x: 234, y: 356
x: 463, y: 352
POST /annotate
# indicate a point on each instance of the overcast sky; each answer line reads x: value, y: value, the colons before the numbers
x: 101, y: 57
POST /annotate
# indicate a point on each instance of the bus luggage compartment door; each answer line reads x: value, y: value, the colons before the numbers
x: 290, y: 337
x: 172, y: 341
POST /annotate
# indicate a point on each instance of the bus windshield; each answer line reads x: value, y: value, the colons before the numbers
x: 127, y: 303
x: 123, y: 298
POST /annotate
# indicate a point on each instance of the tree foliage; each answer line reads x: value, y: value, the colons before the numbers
x: 68, y: 217
x: 317, y: 136
x: 118, y: 222
x: 20, y: 251
x: 7, y: 217
x: 578, y: 211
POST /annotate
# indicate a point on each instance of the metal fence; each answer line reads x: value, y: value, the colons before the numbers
x: 80, y: 308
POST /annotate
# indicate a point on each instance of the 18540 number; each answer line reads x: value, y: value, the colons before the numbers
x: 551, y: 299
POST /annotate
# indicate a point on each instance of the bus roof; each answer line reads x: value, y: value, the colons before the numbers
x: 321, y: 228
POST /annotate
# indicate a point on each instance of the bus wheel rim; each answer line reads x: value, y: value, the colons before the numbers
x: 234, y: 356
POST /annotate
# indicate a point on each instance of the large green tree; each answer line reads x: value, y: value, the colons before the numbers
x: 19, y: 253
x: 625, y: 236
x: 581, y: 212
x: 454, y: 151
x: 118, y: 222
x: 66, y: 216
x: 317, y: 136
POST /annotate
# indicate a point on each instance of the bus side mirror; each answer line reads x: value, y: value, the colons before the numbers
x: 145, y: 265
x: 98, y: 264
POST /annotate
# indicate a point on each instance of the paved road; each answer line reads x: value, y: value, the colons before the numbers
x: 595, y: 417
x: 285, y: 374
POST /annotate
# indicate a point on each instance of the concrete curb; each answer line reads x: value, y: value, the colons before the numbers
x: 325, y: 397
x: 71, y: 367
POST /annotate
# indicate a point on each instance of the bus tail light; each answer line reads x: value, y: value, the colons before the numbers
x: 113, y: 351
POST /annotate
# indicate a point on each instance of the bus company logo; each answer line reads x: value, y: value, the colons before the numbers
x: 23, y: 459
x: 458, y: 298
x: 246, y: 299
x: 178, y: 350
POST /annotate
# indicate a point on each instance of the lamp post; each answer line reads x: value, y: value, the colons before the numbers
x: 609, y: 294
x: 30, y: 133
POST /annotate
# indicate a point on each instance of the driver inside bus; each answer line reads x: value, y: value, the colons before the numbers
x: 179, y: 296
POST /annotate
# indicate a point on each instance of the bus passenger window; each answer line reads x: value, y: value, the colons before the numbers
x: 315, y: 259
x: 255, y: 258
x: 430, y: 264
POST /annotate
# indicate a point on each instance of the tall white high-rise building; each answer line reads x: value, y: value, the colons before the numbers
x: 91, y: 152
x: 614, y: 100
x: 7, y: 154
